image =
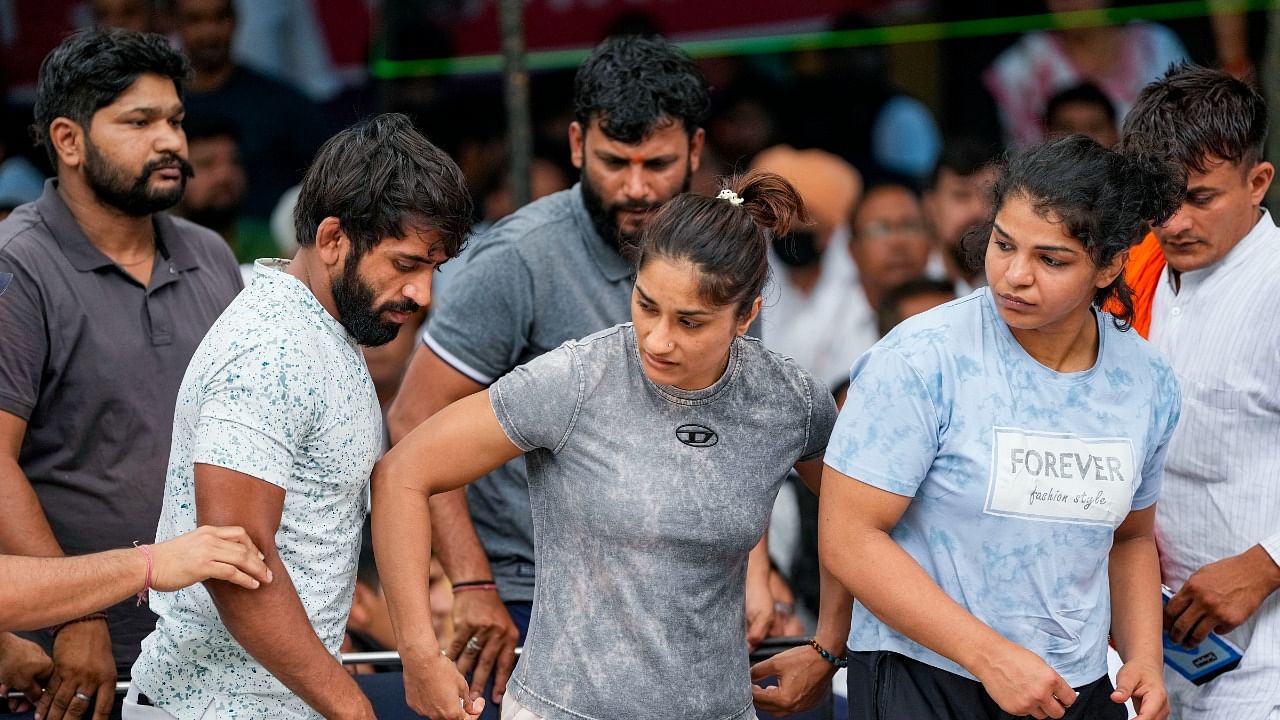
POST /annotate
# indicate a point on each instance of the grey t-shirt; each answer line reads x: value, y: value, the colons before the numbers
x: 646, y: 501
x: 537, y: 278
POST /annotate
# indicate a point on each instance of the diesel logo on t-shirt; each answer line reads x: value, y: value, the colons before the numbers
x: 697, y: 435
x: 1053, y: 476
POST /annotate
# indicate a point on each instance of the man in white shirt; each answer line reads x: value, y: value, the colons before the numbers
x: 1216, y: 317
x: 814, y: 285
x: 278, y: 427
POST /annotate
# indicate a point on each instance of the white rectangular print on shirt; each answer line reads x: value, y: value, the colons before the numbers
x: 1060, y: 477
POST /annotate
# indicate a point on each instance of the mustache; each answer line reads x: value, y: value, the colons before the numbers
x: 636, y: 206
x: 408, y: 307
x: 169, y: 160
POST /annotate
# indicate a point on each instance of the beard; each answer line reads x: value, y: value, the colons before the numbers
x: 353, y: 299
x: 111, y: 184
x: 604, y: 217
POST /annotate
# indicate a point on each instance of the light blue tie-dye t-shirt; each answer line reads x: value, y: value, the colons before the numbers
x: 1018, y: 474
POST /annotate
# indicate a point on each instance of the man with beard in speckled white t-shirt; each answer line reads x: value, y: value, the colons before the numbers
x: 278, y: 427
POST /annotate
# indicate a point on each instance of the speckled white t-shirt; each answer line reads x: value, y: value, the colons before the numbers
x: 277, y: 390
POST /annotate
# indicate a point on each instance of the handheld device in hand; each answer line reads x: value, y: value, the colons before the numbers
x: 1204, y: 662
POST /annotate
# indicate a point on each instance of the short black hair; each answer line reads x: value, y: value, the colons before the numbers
x: 91, y: 68
x: 1105, y: 199
x: 1085, y: 92
x: 633, y: 84
x: 378, y: 177
x: 1195, y: 116
x: 890, y: 312
x: 964, y: 156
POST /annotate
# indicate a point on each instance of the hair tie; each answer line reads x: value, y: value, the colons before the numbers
x: 731, y: 196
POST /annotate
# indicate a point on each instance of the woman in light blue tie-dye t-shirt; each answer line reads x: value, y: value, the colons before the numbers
x: 655, y: 450
x: 990, y: 489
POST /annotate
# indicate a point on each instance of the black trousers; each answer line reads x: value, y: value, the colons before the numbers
x: 889, y: 686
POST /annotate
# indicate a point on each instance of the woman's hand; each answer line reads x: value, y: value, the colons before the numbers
x: 217, y: 553
x: 1143, y: 684
x: 1023, y: 684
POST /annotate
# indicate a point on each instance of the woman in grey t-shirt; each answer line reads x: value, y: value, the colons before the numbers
x: 655, y: 450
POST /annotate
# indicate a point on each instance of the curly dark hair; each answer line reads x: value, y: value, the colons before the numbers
x: 633, y: 84
x: 1105, y: 199
x: 1194, y: 115
x: 91, y: 68
x: 728, y: 243
x: 378, y: 176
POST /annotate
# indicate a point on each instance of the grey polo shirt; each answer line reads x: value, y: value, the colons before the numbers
x: 92, y: 360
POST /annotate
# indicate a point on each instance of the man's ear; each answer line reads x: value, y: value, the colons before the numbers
x: 332, y: 242
x: 696, y: 144
x: 577, y: 145
x: 1260, y: 178
x: 66, y: 137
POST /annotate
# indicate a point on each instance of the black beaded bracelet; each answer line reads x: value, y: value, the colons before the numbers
x: 839, y: 662
x: 471, y: 583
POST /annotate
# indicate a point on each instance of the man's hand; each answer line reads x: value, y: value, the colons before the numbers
x: 24, y: 667
x: 208, y: 553
x: 803, y: 676
x: 1145, y: 685
x: 1023, y: 684
x: 1221, y: 596
x: 436, y: 689
x: 480, y: 615
x: 82, y: 667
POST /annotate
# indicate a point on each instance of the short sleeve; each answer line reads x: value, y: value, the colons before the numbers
x: 258, y: 410
x: 887, y: 434
x: 481, y: 324
x: 1168, y: 411
x: 24, y: 344
x: 537, y: 403
x: 822, y: 418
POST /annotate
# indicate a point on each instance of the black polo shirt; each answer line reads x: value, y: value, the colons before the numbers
x: 92, y: 360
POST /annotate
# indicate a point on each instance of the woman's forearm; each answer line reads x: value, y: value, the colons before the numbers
x: 893, y: 586
x: 1135, y: 600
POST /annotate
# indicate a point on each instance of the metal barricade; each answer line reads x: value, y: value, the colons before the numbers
x: 767, y: 649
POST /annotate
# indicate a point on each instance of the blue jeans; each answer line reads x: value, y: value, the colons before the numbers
x: 520, y: 612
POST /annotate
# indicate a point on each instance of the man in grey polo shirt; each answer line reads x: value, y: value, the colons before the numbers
x: 552, y: 271
x: 108, y: 301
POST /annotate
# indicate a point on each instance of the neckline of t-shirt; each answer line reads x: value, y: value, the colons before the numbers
x: 1069, y: 378
x: 706, y: 395
x: 274, y: 270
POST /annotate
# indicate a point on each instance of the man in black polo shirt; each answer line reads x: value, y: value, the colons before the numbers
x: 108, y: 301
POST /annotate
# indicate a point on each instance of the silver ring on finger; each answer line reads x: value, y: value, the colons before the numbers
x: 82, y: 696
x: 473, y: 645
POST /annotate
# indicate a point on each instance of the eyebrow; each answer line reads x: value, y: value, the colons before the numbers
x: 645, y: 296
x: 415, y: 258
x: 611, y: 156
x: 153, y: 111
x: 1049, y: 248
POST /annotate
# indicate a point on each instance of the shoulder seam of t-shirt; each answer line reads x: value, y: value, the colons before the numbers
x: 808, y: 423
x: 572, y: 347
x: 937, y: 419
x: 34, y: 221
